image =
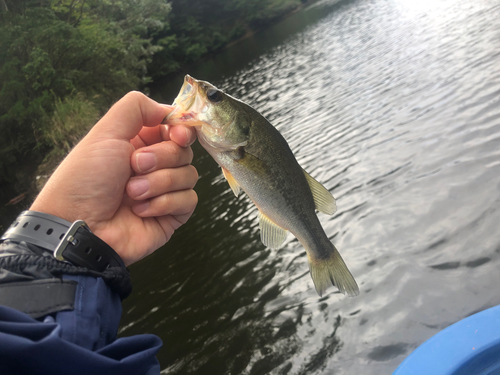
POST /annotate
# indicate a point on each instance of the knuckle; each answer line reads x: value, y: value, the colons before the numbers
x: 173, y: 151
x: 175, y: 203
x: 168, y: 180
x: 193, y: 199
x: 190, y: 154
x: 163, y: 204
x: 135, y: 96
x: 194, y: 174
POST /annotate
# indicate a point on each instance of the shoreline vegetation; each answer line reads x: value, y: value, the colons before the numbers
x: 65, y: 62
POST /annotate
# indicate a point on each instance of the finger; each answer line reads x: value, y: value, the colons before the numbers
x: 170, y: 223
x: 137, y: 142
x: 147, y: 136
x: 176, y: 221
x: 162, y: 182
x: 175, y: 203
x: 182, y: 135
x: 127, y: 117
x: 161, y: 155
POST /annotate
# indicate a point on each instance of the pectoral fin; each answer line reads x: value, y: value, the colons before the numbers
x: 323, y: 199
x: 232, y: 182
x: 271, y: 234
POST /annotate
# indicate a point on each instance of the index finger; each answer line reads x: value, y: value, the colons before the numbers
x: 150, y: 136
x: 183, y: 136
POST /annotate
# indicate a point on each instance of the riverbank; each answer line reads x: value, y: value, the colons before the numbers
x: 251, y: 32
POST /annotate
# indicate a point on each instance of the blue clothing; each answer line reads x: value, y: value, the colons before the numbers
x: 79, y: 341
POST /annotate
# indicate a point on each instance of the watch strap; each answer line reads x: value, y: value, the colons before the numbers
x: 80, y: 246
x: 38, y: 228
x: 73, y: 242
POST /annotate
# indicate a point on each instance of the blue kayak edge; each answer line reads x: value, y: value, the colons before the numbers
x: 468, y: 347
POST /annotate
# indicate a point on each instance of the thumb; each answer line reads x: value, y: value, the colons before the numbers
x: 126, y: 117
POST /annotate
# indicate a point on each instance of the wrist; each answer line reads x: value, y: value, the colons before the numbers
x: 47, y: 204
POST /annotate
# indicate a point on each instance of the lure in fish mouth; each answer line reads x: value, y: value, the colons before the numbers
x: 255, y: 158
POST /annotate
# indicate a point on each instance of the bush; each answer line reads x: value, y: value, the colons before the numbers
x: 72, y: 119
x: 46, y: 56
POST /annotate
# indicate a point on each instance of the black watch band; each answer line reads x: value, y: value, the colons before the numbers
x: 72, y: 242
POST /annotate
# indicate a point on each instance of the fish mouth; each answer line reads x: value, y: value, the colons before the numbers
x: 186, y: 94
x: 187, y: 104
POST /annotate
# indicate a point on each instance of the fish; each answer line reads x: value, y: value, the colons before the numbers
x: 256, y: 158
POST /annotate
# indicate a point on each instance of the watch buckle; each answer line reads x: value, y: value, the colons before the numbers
x: 69, y: 239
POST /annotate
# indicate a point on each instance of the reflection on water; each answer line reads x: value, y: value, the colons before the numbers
x: 394, y: 106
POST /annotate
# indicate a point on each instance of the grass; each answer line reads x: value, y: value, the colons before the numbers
x: 73, y: 117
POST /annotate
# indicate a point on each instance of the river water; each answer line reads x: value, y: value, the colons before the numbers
x: 394, y: 105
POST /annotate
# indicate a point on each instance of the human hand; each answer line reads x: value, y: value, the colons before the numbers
x: 129, y: 179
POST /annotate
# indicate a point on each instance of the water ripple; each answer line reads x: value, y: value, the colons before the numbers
x: 394, y: 106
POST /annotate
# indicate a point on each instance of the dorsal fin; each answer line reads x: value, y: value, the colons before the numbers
x: 232, y: 182
x: 271, y: 234
x: 323, y: 199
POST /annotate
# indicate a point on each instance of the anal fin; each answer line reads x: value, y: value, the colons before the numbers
x: 271, y: 234
x: 323, y: 199
x: 232, y: 182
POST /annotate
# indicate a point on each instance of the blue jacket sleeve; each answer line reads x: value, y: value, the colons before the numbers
x: 78, y: 341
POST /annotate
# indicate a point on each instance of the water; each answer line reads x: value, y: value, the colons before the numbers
x: 394, y: 106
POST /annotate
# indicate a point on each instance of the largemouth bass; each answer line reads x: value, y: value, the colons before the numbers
x: 255, y: 157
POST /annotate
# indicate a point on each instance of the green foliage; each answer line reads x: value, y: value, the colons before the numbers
x: 29, y: 80
x: 199, y: 27
x: 63, y: 61
x: 53, y: 49
x: 71, y: 119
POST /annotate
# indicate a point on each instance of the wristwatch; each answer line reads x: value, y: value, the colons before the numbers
x: 70, y: 242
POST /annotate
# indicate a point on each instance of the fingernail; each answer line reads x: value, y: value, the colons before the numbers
x: 141, y: 207
x: 138, y: 187
x: 145, y: 161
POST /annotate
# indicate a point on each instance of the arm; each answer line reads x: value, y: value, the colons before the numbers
x: 131, y: 181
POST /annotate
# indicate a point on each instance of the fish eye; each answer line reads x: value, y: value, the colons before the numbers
x: 214, y: 95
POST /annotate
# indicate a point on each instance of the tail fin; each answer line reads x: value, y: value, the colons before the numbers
x: 332, y: 270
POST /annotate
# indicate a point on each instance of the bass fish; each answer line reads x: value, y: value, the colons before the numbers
x: 255, y: 157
